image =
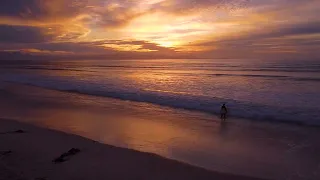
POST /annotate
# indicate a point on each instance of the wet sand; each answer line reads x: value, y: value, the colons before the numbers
x: 29, y: 152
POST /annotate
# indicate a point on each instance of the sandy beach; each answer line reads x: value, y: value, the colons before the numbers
x: 240, y: 147
x: 159, y: 90
x: 30, y: 154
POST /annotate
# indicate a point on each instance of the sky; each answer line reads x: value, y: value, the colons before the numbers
x: 159, y: 29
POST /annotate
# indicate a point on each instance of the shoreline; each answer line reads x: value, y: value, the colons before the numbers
x: 248, y: 148
x: 210, y: 113
x: 28, y: 154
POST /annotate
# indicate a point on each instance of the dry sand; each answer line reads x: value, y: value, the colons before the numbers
x: 29, y: 154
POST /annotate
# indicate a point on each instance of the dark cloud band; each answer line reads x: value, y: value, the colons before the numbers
x: 23, y: 34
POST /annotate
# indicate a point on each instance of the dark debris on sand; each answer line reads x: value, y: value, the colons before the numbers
x: 5, y: 153
x: 19, y: 131
x: 66, y: 156
x: 14, y: 132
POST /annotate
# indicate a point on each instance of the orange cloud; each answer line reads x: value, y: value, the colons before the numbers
x: 179, y: 27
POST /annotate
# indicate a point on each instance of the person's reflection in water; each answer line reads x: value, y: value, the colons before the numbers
x: 223, y: 128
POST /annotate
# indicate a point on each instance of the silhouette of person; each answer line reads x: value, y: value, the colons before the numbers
x: 223, y: 112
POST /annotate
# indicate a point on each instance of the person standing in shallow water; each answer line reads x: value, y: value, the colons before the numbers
x: 223, y: 112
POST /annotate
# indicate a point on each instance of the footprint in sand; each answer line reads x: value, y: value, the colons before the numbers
x: 41, y: 178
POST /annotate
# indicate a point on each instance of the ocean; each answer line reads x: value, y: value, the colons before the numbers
x: 278, y: 91
x: 171, y: 108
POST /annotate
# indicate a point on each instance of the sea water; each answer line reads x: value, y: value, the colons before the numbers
x: 261, y: 90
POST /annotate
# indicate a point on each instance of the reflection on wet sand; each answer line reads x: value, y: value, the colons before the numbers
x: 223, y: 128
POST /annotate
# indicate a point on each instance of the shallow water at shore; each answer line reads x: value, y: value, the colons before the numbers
x: 244, y: 147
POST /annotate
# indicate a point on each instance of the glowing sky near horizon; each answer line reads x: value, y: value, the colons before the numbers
x: 205, y: 28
